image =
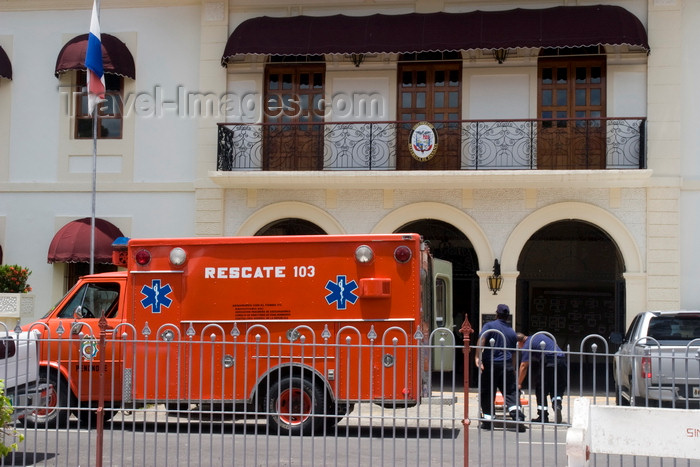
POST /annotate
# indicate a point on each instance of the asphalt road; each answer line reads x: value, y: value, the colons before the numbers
x: 432, y: 434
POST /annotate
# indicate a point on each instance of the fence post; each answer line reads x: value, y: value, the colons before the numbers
x: 466, y: 331
x: 102, y: 347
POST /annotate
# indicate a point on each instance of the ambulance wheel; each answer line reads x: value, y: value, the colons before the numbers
x: 295, y: 406
x: 54, y: 412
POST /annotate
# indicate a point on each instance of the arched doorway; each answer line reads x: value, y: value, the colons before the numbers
x: 449, y: 243
x: 290, y: 226
x: 571, y: 283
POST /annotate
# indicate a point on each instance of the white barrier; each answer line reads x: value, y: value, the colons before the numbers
x: 633, y: 431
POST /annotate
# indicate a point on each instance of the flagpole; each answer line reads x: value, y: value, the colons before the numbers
x: 94, y: 151
x: 94, y: 192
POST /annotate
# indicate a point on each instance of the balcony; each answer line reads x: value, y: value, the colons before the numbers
x: 468, y: 145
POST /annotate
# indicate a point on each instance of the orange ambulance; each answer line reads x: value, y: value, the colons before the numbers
x: 295, y: 328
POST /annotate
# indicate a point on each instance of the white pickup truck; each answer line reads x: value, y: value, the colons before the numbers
x: 19, y: 370
x: 658, y: 362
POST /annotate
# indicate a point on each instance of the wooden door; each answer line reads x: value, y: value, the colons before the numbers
x: 430, y: 92
x: 571, y: 103
x: 293, y: 134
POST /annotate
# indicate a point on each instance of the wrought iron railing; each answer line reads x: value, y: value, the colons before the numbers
x: 570, y: 144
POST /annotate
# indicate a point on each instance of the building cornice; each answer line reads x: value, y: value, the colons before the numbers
x: 432, y: 179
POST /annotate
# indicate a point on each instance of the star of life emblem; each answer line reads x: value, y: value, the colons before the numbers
x: 341, y: 292
x: 156, y: 296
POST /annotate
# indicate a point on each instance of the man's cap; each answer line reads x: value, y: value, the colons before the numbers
x: 502, y: 309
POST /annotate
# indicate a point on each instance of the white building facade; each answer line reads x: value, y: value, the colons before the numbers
x: 572, y: 162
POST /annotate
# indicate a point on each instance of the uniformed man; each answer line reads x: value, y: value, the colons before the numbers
x: 494, y: 357
x: 548, y: 372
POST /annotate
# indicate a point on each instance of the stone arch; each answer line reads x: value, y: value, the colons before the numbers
x: 595, y: 215
x: 634, y: 274
x: 287, y: 209
x: 445, y: 213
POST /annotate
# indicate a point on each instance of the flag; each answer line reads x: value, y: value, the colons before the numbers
x: 93, y: 63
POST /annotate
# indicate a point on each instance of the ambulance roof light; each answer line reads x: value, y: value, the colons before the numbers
x: 364, y: 254
x: 120, y: 247
x: 177, y: 256
x: 402, y: 254
x: 143, y: 257
x: 120, y: 243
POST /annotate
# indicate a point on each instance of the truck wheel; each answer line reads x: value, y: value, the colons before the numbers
x: 295, y: 406
x: 55, y: 413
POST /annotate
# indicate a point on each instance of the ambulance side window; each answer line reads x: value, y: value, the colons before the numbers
x: 94, y: 300
x: 440, y: 302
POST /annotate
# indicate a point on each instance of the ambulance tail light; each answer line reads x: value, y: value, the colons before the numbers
x: 402, y: 254
x: 177, y: 256
x: 143, y: 257
x: 364, y: 254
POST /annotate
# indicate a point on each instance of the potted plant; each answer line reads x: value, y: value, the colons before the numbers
x: 15, y: 299
x: 13, y: 279
x: 9, y: 436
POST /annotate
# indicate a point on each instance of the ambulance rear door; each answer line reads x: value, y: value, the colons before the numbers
x: 444, y: 339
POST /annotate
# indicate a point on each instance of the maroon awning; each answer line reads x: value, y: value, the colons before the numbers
x: 116, y: 57
x: 71, y: 244
x: 5, y: 65
x: 557, y: 27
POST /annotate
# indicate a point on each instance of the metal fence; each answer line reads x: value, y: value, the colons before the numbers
x: 172, y: 397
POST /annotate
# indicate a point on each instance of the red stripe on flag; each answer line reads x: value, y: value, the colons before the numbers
x: 95, y: 85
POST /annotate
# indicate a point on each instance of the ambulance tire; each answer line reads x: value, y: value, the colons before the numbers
x: 57, y: 412
x: 295, y: 406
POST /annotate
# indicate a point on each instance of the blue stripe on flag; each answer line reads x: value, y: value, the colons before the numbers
x: 93, y: 56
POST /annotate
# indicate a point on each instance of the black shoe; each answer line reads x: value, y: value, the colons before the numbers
x: 486, y: 426
x: 519, y: 426
x: 539, y: 419
x: 558, y: 416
